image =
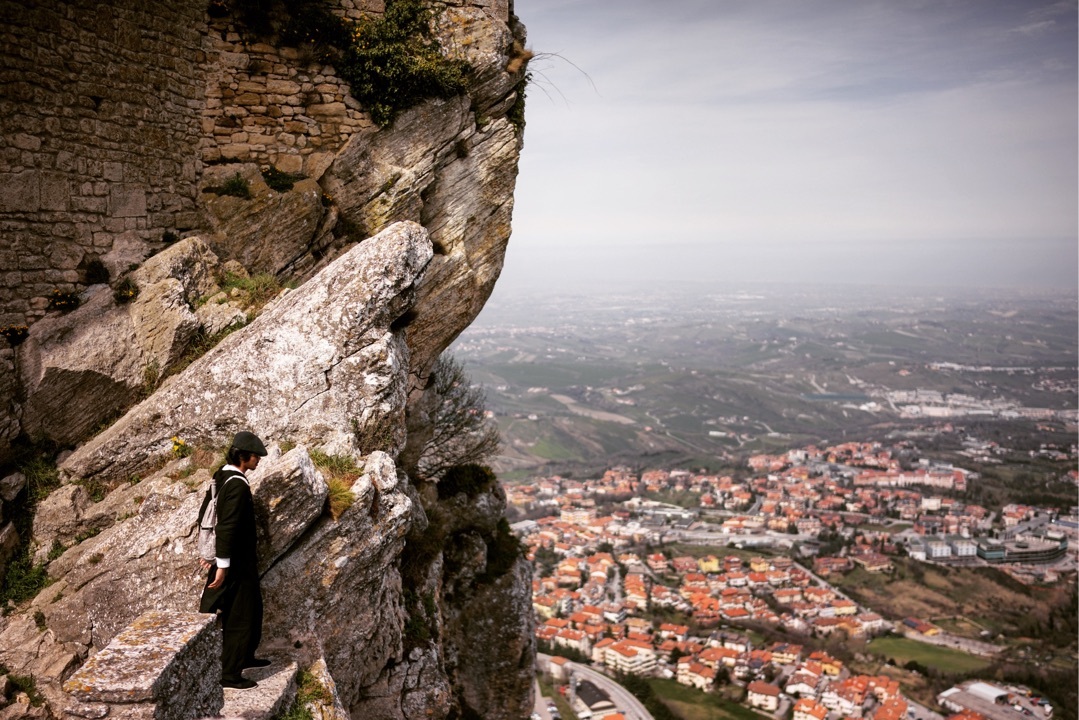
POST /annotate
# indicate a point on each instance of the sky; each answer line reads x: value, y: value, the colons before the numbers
x: 920, y: 142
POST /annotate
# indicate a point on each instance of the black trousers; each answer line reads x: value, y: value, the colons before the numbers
x: 241, y: 622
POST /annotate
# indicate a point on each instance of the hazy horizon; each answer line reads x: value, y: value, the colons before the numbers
x: 898, y: 143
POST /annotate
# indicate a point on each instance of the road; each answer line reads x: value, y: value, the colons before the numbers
x: 540, y: 705
x: 630, y: 706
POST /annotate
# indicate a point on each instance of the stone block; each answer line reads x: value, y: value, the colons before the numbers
x: 167, y: 661
x: 282, y: 87
x: 95, y: 205
x: 55, y: 192
x: 20, y: 192
x: 126, y: 200
x: 330, y: 109
x: 289, y: 163
x: 26, y: 142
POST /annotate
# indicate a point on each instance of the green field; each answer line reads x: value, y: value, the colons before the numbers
x: 903, y: 650
x: 692, y: 704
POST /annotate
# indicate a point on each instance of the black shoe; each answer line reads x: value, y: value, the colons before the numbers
x: 257, y: 663
x: 241, y: 683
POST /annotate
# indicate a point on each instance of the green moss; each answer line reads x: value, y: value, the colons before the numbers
x: 516, y: 113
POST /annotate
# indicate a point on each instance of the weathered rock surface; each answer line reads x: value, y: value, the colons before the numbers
x: 322, y: 366
x: 85, y: 365
x: 489, y: 644
x: 339, y: 589
x: 329, y: 365
x: 268, y: 231
x: 165, y: 663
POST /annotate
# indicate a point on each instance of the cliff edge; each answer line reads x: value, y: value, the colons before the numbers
x: 152, y: 156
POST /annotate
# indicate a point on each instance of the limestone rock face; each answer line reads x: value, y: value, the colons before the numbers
x: 85, y: 365
x: 434, y: 166
x: 490, y: 645
x: 339, y: 588
x: 269, y: 230
x: 321, y: 366
x: 291, y: 495
x: 397, y: 235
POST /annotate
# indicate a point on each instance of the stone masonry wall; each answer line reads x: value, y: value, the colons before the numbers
x: 99, y: 109
x: 109, y: 113
x: 275, y: 106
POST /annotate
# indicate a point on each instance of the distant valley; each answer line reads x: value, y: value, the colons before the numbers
x: 704, y: 377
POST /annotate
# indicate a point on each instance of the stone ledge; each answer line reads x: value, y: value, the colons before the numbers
x: 169, y: 663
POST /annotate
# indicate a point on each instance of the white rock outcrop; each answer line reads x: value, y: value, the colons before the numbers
x: 322, y: 366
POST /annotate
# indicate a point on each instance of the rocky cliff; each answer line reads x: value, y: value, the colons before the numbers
x: 127, y: 125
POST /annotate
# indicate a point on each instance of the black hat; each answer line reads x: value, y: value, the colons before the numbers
x: 249, y: 442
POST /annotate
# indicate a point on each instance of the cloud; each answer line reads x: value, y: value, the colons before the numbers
x: 799, y: 124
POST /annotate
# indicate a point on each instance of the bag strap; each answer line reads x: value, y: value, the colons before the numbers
x: 209, y: 515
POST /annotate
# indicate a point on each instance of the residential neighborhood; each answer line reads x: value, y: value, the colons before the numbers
x: 611, y: 587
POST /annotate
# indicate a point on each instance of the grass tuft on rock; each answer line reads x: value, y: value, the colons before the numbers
x: 340, y: 472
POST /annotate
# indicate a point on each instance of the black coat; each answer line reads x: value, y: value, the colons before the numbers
x: 236, y: 537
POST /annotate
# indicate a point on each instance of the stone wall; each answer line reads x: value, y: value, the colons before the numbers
x: 99, y: 110
x: 109, y: 115
x: 276, y: 105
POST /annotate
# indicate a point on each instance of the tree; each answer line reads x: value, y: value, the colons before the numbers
x: 461, y: 431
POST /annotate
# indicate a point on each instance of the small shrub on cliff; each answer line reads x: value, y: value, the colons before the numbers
x: 126, y: 291
x: 503, y: 549
x: 340, y: 472
x: 23, y: 579
x: 63, y: 301
x: 309, y: 691
x: 279, y: 181
x: 236, y: 186
x: 26, y: 684
x: 15, y: 334
x: 470, y: 479
x: 259, y: 289
x: 393, y: 62
x: 461, y: 433
x: 42, y: 477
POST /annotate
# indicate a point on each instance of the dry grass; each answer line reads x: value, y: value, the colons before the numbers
x: 340, y: 497
x: 340, y: 472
